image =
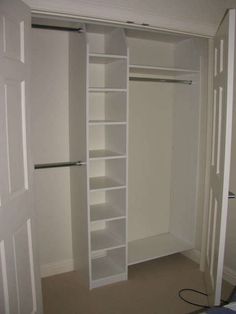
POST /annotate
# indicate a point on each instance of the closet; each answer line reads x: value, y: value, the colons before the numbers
x: 127, y: 109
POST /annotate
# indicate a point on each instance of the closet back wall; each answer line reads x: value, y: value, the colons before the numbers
x: 150, y: 151
x: 50, y: 134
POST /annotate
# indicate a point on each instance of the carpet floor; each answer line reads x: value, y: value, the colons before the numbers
x: 152, y: 288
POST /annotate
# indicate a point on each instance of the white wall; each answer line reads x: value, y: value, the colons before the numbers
x: 196, y: 16
x: 50, y: 134
x: 150, y: 144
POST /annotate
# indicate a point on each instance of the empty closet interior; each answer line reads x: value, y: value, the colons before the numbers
x: 130, y: 105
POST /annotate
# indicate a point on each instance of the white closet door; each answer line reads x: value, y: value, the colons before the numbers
x: 19, y: 281
x: 223, y: 84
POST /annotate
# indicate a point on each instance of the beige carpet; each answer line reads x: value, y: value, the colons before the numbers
x: 152, y: 288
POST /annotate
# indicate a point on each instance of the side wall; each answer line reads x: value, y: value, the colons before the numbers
x: 50, y: 133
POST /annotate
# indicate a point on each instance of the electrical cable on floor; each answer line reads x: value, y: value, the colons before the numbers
x: 203, y: 306
x: 192, y: 303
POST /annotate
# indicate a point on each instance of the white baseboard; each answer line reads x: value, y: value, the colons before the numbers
x: 229, y: 274
x: 194, y: 255
x: 56, y: 268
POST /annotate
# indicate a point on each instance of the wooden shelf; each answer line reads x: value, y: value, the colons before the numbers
x: 105, y: 267
x: 104, y: 154
x: 148, y: 69
x: 102, y: 58
x: 106, y: 90
x: 106, y: 122
x: 104, y: 211
x: 154, y: 247
x: 103, y: 240
x: 104, y: 183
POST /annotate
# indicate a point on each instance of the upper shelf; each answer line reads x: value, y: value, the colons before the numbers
x: 158, y: 70
x: 102, y: 58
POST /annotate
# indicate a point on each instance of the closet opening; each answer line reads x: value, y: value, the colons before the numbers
x: 118, y: 140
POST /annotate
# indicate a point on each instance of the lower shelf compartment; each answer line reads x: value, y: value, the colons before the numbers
x: 105, y: 267
x: 108, y: 280
x: 109, y: 267
x: 149, y: 248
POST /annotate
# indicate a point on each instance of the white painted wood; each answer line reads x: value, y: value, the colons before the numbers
x: 103, y: 239
x: 106, y: 90
x: 101, y: 58
x: 116, y: 42
x: 105, y: 211
x: 104, y: 154
x: 111, y: 168
x: 148, y: 248
x: 146, y: 51
x: 107, y: 106
x: 78, y: 58
x: 56, y: 268
x: 110, y: 75
x: 223, y: 84
x: 107, y: 235
x: 106, y: 122
x: 108, y: 137
x: 190, y: 17
x: 113, y: 263
x: 107, y: 142
x: 19, y: 266
x: 108, y: 280
x: 104, y: 183
x: 159, y: 70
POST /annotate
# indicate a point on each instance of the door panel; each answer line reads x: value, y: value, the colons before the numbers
x: 15, y: 136
x: 20, y: 290
x: 221, y: 149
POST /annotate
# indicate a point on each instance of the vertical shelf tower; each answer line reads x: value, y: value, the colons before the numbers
x: 107, y: 118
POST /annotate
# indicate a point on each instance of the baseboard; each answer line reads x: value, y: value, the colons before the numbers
x: 51, y: 269
x: 56, y: 268
x: 194, y: 255
x: 229, y: 274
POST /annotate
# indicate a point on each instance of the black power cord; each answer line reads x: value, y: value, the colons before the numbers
x: 203, y: 306
x: 192, y: 303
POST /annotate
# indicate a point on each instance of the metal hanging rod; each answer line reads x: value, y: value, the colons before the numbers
x: 231, y: 195
x: 162, y: 80
x: 58, y: 28
x: 59, y: 164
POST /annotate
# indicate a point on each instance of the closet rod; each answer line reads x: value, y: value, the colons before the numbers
x: 149, y: 79
x: 231, y: 195
x: 59, y: 164
x: 58, y: 28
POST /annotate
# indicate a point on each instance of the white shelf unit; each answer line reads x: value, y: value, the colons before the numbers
x: 107, y: 151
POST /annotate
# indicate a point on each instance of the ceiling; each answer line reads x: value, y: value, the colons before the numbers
x: 193, y: 16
